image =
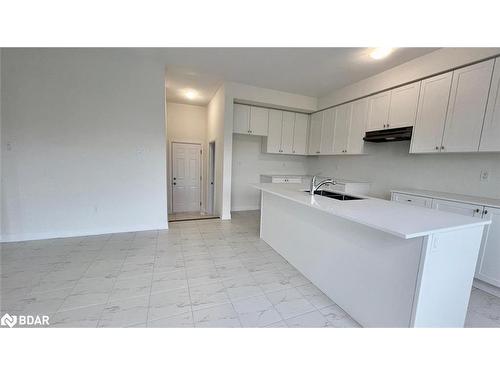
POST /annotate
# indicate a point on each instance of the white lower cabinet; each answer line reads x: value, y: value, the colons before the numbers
x: 411, y: 200
x: 488, y: 263
x: 458, y: 208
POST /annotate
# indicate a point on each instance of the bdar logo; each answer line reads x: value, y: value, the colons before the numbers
x: 8, y: 320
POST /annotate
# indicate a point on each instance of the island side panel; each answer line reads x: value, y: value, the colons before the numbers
x: 372, y: 275
x: 445, y: 278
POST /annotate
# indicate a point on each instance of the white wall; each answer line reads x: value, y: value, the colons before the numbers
x: 249, y: 163
x: 215, y: 133
x: 435, y: 62
x: 86, y: 129
x: 389, y: 165
x: 187, y: 123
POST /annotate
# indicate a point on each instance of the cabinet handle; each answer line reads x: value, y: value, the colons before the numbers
x: 442, y: 147
x: 477, y: 210
x: 437, y: 147
x: 485, y: 212
x: 317, y: 152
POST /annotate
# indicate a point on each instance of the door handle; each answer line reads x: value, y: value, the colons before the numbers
x: 174, y: 183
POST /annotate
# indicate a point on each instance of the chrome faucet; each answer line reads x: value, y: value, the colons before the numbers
x: 313, y: 187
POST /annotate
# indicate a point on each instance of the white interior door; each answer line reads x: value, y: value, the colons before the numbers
x: 186, y: 180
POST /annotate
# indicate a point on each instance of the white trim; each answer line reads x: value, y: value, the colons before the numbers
x: 65, y: 234
x: 245, y: 208
x: 488, y: 288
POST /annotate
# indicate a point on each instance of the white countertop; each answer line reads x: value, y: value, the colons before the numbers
x: 395, y: 218
x: 480, y: 201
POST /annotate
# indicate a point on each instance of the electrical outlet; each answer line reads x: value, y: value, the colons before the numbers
x: 485, y: 175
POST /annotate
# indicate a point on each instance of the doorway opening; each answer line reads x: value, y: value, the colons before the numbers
x: 186, y: 182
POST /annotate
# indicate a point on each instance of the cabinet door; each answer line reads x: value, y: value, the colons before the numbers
x: 468, y: 98
x: 489, y: 258
x: 412, y: 200
x: 315, y: 133
x: 431, y: 114
x: 458, y: 208
x: 300, y: 131
x: 403, y: 108
x: 342, y: 119
x: 241, y: 119
x: 287, y: 132
x: 378, y: 110
x: 274, y: 133
x: 328, y: 131
x: 357, y: 127
x: 259, y: 121
x: 490, y: 136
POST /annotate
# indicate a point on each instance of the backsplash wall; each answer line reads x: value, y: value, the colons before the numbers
x: 389, y: 165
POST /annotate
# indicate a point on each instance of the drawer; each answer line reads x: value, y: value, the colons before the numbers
x: 279, y: 180
x: 412, y: 200
x: 293, y: 180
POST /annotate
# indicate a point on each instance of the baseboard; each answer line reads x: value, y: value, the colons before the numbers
x: 65, y: 234
x: 246, y: 208
x: 488, y: 288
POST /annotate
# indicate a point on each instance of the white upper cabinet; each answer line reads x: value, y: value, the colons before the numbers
x: 403, y: 108
x: 431, y: 114
x: 300, y: 132
x: 396, y: 108
x: 490, y: 137
x: 241, y: 119
x: 287, y: 132
x: 378, y: 110
x: 467, y: 107
x: 328, y: 131
x: 357, y: 127
x: 259, y: 120
x: 315, y: 132
x: 274, y: 132
x: 342, y: 120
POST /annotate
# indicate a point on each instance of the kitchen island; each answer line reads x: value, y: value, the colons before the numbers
x: 386, y: 264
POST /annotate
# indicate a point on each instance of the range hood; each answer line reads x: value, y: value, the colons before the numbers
x: 389, y: 135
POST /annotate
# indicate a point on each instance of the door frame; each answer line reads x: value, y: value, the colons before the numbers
x: 170, y: 176
x: 211, y: 178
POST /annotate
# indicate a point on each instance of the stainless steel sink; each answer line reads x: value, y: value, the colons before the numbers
x: 331, y: 194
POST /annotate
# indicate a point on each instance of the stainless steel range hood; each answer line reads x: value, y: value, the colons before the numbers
x: 389, y: 135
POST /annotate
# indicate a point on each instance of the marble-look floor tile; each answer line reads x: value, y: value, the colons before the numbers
x: 338, y: 317
x: 256, y: 312
x: 208, y: 295
x: 484, y: 310
x: 131, y: 287
x: 167, y: 304
x: 270, y: 281
x: 241, y: 287
x: 169, y: 281
x: 317, y: 298
x: 86, y: 317
x: 221, y: 316
x: 184, y: 320
x: 125, y: 312
x: 313, y: 319
x: 290, y: 303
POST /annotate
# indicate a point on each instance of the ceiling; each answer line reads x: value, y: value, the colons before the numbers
x: 307, y: 71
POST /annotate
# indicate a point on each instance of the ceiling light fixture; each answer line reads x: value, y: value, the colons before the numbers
x: 380, y: 52
x: 191, y: 94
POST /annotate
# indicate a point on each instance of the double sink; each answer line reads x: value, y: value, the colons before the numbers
x: 331, y: 194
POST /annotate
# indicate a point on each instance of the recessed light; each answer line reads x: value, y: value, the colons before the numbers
x: 191, y: 94
x: 380, y: 52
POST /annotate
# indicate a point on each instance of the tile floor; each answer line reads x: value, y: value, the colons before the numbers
x: 207, y: 273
